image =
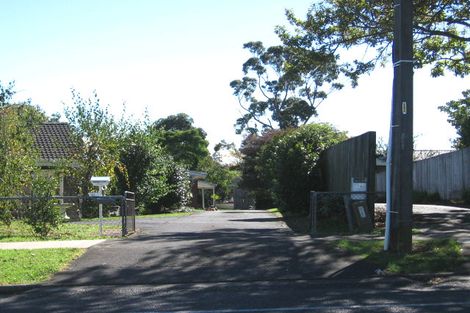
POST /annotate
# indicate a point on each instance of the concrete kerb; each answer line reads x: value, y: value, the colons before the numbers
x: 31, y: 245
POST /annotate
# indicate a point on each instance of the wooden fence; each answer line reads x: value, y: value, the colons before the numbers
x: 447, y: 174
x: 353, y: 158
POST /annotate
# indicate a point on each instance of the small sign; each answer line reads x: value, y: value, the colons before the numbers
x: 362, y: 212
x: 358, y: 185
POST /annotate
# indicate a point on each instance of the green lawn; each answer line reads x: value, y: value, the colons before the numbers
x: 160, y: 215
x: 19, y: 231
x: 34, y: 266
x: 163, y: 215
x: 428, y: 256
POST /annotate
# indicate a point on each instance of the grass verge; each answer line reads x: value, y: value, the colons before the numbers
x: 34, y: 266
x: 163, y: 215
x: 19, y: 231
x: 428, y: 256
x: 86, y: 229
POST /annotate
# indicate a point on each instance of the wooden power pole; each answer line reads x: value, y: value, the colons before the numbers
x: 402, y: 129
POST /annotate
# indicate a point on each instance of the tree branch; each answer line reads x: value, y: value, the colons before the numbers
x: 442, y: 33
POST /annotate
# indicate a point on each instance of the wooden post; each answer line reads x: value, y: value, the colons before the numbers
x: 402, y: 129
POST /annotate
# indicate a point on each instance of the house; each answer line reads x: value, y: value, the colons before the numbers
x: 198, y: 183
x: 54, y: 143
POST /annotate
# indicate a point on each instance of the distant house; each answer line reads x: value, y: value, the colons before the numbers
x: 53, y: 140
x: 198, y: 183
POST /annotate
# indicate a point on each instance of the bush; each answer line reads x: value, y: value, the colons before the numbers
x: 466, y: 197
x: 43, y: 215
x: 290, y: 163
x: 424, y: 197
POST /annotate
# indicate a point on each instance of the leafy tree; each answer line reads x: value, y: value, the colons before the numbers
x: 458, y: 112
x: 222, y: 175
x: 252, y: 168
x: 146, y: 168
x: 180, y: 121
x: 96, y: 139
x: 289, y: 163
x: 283, y: 85
x: 18, y: 157
x: 179, y: 193
x: 186, y: 143
x: 440, y: 31
x: 44, y: 214
x: 229, y: 150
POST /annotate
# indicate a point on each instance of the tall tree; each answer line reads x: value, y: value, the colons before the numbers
x: 186, y: 143
x: 96, y: 138
x: 283, y: 85
x: 441, y: 37
x: 147, y: 169
x: 458, y: 112
x: 18, y: 156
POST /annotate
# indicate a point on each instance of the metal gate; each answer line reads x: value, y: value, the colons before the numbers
x: 128, y: 213
x: 119, y: 210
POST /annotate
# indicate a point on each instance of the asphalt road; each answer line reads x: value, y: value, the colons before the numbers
x: 224, y: 262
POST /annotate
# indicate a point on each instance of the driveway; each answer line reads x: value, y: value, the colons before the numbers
x: 229, y: 262
x: 208, y: 247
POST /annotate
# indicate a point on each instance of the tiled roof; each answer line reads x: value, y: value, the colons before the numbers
x: 54, y: 141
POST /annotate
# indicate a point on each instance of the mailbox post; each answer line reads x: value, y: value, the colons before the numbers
x: 101, y: 182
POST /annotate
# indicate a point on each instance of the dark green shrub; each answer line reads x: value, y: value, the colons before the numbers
x: 466, y: 196
x: 423, y: 197
x: 43, y: 215
x: 290, y: 163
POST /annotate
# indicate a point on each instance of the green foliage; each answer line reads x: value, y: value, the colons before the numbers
x: 18, y: 156
x: 430, y: 256
x: 440, y: 32
x: 222, y: 175
x: 424, y: 197
x: 283, y: 85
x: 96, y: 137
x: 280, y: 167
x: 466, y: 197
x: 229, y: 150
x: 252, y: 169
x: 179, y: 190
x: 145, y: 167
x: 184, y: 142
x: 458, y: 112
x: 43, y: 215
x: 290, y: 163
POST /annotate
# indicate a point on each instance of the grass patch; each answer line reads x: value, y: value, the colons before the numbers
x: 34, y: 266
x: 19, y: 231
x: 163, y: 215
x: 86, y: 229
x: 298, y: 223
x: 380, y: 231
x: 275, y: 211
x: 428, y: 256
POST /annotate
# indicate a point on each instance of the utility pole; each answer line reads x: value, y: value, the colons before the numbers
x: 402, y: 129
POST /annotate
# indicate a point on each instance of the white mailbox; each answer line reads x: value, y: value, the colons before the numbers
x: 100, y: 181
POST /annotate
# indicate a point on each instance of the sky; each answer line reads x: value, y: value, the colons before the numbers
x: 161, y: 57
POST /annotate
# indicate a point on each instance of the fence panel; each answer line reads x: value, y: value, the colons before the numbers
x: 82, y: 210
x: 447, y: 174
x: 352, y: 158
